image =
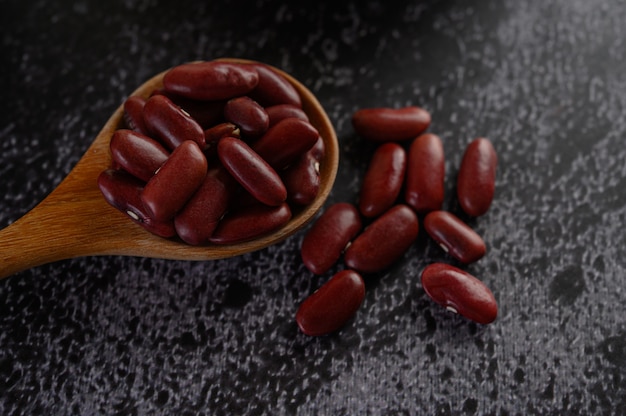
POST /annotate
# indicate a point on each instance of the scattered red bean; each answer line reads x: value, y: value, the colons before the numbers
x: 477, y: 177
x: 209, y: 81
x: 248, y: 115
x: 329, y: 235
x: 170, y: 124
x: 424, y: 190
x: 173, y: 185
x: 460, y: 292
x: 384, y: 241
x: 390, y: 124
x: 332, y: 305
x: 383, y: 180
x: 249, y: 223
x: 454, y: 236
x: 139, y: 155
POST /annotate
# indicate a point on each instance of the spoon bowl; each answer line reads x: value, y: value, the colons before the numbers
x: 74, y: 220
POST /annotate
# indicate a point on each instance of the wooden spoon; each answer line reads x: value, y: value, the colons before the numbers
x: 74, y: 220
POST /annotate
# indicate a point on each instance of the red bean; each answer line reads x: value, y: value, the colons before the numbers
x: 248, y: 115
x: 177, y: 180
x: 133, y: 114
x: 206, y: 113
x: 214, y: 134
x: 196, y: 222
x: 390, y: 124
x: 211, y: 80
x: 280, y: 112
x: 123, y: 191
x: 460, y: 292
x: 332, y: 305
x: 383, y: 180
x: 424, y: 187
x: 318, y: 151
x: 476, y: 180
x: 285, y: 141
x: 249, y: 223
x: 454, y: 236
x: 329, y: 236
x: 251, y: 171
x: 273, y: 88
x: 170, y: 124
x: 384, y: 241
x: 302, y: 180
x: 137, y: 154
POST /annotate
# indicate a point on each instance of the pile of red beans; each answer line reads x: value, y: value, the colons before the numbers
x: 212, y: 157
x: 393, y: 225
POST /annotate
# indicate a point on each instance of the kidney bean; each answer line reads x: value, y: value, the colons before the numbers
x: 251, y: 171
x: 332, y: 305
x: 214, y: 134
x: 460, y: 292
x: 198, y: 219
x: 273, y: 88
x: 285, y: 141
x: 206, y: 113
x: 476, y: 180
x: 390, y: 124
x: 302, y: 179
x: 383, y: 180
x: 249, y: 223
x: 170, y: 124
x: 210, y: 81
x: 123, y: 191
x: 384, y: 241
x: 248, y: 115
x: 454, y: 236
x: 318, y: 151
x: 329, y: 235
x: 137, y: 154
x: 424, y: 185
x: 280, y: 112
x: 133, y: 114
x: 177, y: 180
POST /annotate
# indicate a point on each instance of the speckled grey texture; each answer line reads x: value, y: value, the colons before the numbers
x: 545, y: 81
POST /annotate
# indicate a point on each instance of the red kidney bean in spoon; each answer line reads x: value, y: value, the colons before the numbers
x: 280, y: 112
x: 476, y: 180
x: 332, y: 305
x: 273, y: 88
x: 454, y: 236
x: 425, y: 174
x: 173, y: 185
x: 248, y: 115
x: 384, y: 241
x: 302, y: 179
x: 383, y: 180
x: 329, y: 235
x: 390, y: 124
x: 211, y: 80
x: 170, y: 124
x: 251, y: 171
x: 460, y: 292
x: 249, y: 223
x: 137, y: 154
x: 284, y: 142
x: 133, y: 114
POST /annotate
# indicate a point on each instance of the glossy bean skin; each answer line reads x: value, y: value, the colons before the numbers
x: 390, y: 124
x: 329, y: 235
x: 170, y: 124
x: 476, y: 180
x: 318, y: 151
x: 200, y: 216
x: 273, y: 88
x: 133, y: 114
x: 332, y: 305
x: 214, y: 134
x: 174, y: 184
x: 123, y: 191
x: 454, y: 236
x: 383, y: 180
x: 251, y: 171
x: 425, y: 175
x: 284, y: 142
x: 384, y: 241
x: 302, y: 180
x: 211, y: 81
x: 249, y: 223
x: 248, y: 115
x: 460, y: 292
x: 137, y: 154
x: 280, y: 112
x: 206, y: 113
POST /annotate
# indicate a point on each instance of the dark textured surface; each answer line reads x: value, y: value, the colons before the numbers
x: 544, y: 80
